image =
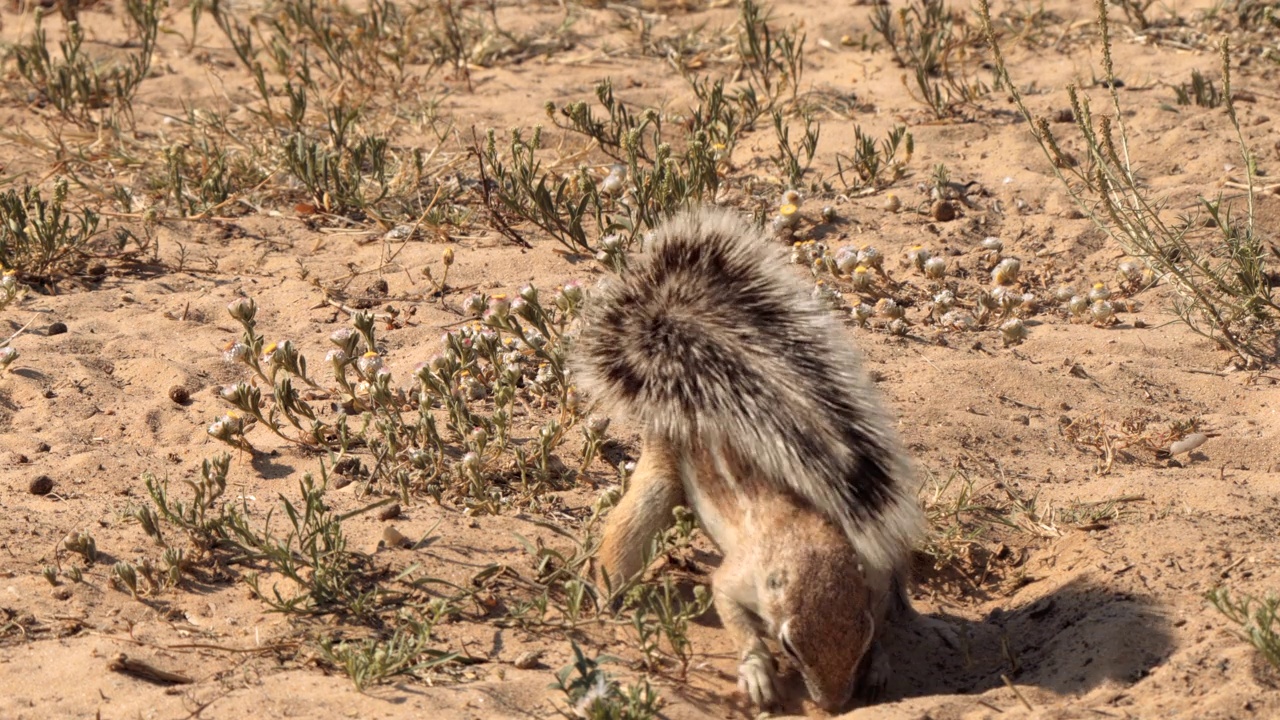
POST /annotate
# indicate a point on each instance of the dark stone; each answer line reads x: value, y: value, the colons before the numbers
x: 40, y: 485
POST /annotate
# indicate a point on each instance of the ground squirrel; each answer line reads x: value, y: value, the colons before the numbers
x: 756, y: 413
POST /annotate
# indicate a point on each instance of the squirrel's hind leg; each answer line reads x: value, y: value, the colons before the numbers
x: 643, y: 513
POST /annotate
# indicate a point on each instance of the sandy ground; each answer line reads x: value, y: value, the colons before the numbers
x: 1064, y: 616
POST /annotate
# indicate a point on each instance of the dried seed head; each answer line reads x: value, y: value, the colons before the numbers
x: 846, y: 260
x: 959, y: 320
x: 243, y: 309
x: 1078, y: 305
x: 612, y: 184
x: 1099, y: 291
x: 871, y: 257
x: 992, y: 244
x: 1006, y: 271
x: 236, y: 353
x: 862, y: 312
x: 861, y: 279
x: 987, y: 300
x: 7, y: 356
x: 1102, y: 312
x: 1064, y: 293
x: 1006, y: 299
x: 369, y: 364
x: 892, y: 203
x: 226, y: 427
x: 341, y: 337
x: 499, y: 307
x: 473, y: 306
x: 1129, y: 271
x: 917, y: 256
x: 475, y: 389
x: 1013, y: 331
x: 788, y: 217
x: 470, y: 463
x: 943, y: 301
x: 889, y: 308
x: 792, y: 198
x: 824, y: 293
x: 898, y: 327
x: 935, y: 268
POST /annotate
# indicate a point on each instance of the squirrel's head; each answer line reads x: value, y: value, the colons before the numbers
x: 816, y: 604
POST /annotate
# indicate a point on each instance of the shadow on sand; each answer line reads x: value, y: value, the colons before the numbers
x: 1068, y: 642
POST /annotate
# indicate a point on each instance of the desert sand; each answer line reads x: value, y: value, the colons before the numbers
x: 1075, y: 570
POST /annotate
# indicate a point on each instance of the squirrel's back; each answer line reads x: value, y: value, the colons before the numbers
x: 710, y: 339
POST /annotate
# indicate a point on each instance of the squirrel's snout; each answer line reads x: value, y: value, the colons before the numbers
x: 832, y: 700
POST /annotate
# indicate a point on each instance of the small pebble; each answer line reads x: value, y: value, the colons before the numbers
x: 179, y: 394
x: 943, y: 211
x: 390, y: 512
x: 40, y: 485
x: 42, y: 447
x: 393, y: 538
x: 1188, y: 443
x: 57, y: 328
x: 892, y: 203
x: 528, y: 660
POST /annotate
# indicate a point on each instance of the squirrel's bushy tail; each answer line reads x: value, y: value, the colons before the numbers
x: 710, y: 339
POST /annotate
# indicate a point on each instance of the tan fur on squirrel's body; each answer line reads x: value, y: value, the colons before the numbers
x: 716, y: 347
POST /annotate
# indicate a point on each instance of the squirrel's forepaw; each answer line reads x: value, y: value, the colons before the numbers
x: 756, y: 679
